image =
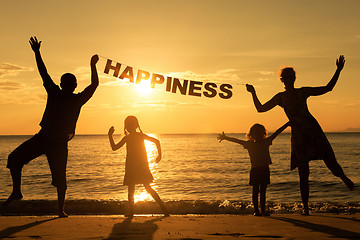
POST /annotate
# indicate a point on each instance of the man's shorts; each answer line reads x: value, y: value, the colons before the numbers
x: 55, y: 150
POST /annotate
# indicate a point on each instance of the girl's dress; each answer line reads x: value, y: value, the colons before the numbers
x: 308, y: 141
x: 260, y: 160
x: 136, y: 168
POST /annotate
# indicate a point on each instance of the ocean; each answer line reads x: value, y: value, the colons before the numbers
x: 196, y: 172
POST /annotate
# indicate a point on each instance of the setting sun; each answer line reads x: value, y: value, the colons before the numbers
x: 143, y: 88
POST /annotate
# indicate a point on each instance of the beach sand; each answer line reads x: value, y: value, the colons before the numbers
x: 185, y: 227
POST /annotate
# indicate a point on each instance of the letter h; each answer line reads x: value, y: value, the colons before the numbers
x: 115, y: 68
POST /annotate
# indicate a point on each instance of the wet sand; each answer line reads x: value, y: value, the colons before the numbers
x: 182, y: 227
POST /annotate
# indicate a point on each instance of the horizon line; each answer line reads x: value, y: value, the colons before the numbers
x: 209, y: 133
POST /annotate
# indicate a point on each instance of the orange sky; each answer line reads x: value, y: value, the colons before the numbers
x: 233, y: 42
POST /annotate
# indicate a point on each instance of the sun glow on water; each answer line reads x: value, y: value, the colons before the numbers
x: 141, y: 194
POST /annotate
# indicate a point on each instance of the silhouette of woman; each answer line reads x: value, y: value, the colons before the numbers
x: 308, y: 141
x: 136, y: 168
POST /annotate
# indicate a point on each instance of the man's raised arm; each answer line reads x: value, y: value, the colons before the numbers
x: 89, y: 90
x: 94, y: 74
x: 35, y: 46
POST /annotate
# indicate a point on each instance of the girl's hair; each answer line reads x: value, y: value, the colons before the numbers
x: 131, y: 122
x: 287, y: 72
x: 256, y: 132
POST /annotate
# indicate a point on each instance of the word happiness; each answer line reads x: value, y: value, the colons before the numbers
x: 174, y: 85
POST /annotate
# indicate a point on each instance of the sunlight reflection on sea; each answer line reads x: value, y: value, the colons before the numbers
x: 194, y: 166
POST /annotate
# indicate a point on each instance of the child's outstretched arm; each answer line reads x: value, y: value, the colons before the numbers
x: 277, y: 132
x: 111, y: 139
x: 230, y: 139
x: 158, y: 146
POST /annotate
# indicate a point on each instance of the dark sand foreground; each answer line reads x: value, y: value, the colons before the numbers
x: 282, y: 226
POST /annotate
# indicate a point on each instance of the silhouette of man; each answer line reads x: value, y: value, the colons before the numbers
x: 57, y: 128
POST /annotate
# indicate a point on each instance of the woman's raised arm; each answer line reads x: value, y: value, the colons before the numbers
x: 315, y: 91
x: 258, y: 105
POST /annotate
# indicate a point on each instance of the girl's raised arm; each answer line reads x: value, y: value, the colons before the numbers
x: 111, y: 139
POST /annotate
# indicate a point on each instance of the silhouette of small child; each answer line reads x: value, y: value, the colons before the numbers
x: 258, y: 147
x: 137, y: 168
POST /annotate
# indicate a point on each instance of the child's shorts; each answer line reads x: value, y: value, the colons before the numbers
x: 260, y: 176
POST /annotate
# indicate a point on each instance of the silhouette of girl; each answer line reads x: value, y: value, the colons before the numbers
x: 308, y: 141
x: 137, y: 169
x: 258, y: 145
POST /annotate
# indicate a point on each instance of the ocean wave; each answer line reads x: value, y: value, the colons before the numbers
x: 114, y: 207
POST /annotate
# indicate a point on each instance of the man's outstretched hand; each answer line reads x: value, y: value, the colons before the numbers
x: 94, y: 59
x: 35, y: 44
x: 340, y: 62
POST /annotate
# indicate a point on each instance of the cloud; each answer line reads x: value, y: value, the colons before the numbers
x: 26, y: 98
x: 10, y: 86
x: 230, y: 76
x: 327, y: 102
x: 267, y: 73
x: 277, y: 53
x: 20, y: 93
x: 165, y: 104
x: 114, y: 82
x: 221, y: 76
x: 352, y: 104
x: 8, y: 69
x: 151, y: 105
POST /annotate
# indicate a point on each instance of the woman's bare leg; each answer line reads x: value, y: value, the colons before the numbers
x: 304, y: 173
x: 337, y: 171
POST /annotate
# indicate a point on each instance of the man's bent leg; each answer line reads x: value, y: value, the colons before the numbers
x: 16, y: 192
x: 23, y: 154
